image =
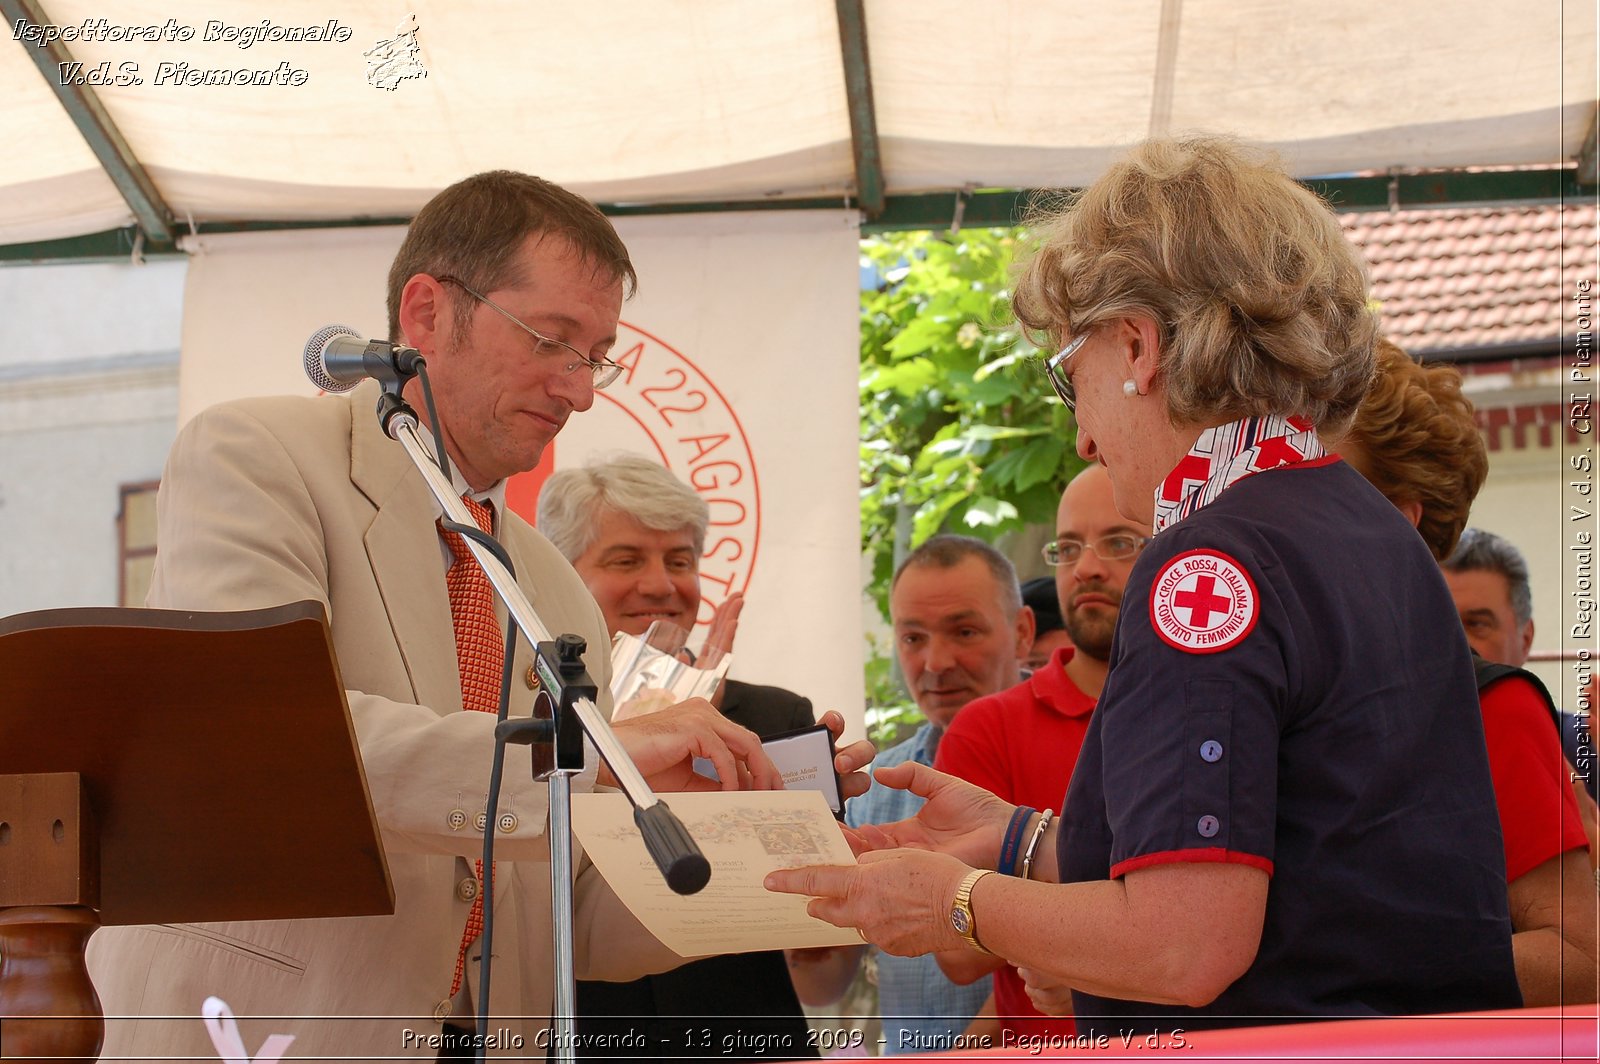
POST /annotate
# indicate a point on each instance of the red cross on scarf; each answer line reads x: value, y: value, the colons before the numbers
x: 1227, y: 453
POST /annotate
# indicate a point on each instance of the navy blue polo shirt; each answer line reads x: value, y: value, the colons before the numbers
x: 1290, y: 689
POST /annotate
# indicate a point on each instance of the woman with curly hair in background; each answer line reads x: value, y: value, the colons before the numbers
x: 1415, y: 438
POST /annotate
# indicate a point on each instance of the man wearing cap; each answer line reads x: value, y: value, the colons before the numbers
x: 1049, y: 631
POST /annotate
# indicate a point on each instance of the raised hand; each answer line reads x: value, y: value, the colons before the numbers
x: 724, y: 626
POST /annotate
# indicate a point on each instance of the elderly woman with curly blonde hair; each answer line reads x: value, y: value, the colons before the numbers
x: 1282, y: 806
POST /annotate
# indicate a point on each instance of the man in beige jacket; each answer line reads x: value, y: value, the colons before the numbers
x: 512, y: 289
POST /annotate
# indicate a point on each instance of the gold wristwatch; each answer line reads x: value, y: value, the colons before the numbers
x: 961, y: 918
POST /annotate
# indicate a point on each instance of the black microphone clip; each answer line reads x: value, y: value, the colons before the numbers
x: 337, y: 359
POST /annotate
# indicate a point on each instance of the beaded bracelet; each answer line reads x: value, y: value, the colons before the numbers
x: 1013, y: 839
x: 1033, y: 844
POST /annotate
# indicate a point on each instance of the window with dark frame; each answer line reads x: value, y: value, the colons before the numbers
x: 136, y: 541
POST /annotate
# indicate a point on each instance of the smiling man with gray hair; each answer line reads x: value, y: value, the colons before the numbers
x: 635, y: 533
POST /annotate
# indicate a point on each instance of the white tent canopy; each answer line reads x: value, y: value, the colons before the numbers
x: 661, y: 101
x: 659, y: 104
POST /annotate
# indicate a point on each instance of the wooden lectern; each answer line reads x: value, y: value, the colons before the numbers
x: 164, y: 766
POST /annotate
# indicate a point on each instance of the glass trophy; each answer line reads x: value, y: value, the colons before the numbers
x: 656, y: 670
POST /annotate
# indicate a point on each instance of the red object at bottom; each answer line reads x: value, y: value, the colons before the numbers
x: 1543, y: 1034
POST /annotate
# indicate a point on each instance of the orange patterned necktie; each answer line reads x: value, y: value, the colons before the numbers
x: 480, y: 657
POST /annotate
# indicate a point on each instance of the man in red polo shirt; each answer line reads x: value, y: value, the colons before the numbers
x: 1021, y: 743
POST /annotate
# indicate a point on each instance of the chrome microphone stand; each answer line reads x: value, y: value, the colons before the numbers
x: 568, y: 694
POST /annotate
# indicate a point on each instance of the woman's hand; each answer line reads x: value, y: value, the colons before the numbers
x: 958, y: 818
x: 898, y: 899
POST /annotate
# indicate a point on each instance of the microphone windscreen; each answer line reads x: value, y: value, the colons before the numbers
x: 316, y: 363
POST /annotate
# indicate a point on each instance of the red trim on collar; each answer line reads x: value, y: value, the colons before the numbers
x: 1310, y: 463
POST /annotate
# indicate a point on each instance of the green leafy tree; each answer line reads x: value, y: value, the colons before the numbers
x: 960, y: 431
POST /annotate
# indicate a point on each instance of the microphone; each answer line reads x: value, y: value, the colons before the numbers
x: 337, y: 359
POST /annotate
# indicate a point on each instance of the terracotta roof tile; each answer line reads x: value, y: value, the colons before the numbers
x: 1473, y: 276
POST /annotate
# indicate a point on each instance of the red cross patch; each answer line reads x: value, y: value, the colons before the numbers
x: 1203, y: 601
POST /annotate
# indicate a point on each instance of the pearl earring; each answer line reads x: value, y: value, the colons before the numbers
x: 1130, y: 388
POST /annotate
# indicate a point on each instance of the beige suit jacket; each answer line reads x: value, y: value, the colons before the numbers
x: 269, y: 501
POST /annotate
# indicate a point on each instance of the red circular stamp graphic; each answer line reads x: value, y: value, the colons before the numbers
x: 688, y: 424
x: 1203, y: 601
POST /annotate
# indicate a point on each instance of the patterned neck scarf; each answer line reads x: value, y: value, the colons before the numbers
x: 1225, y: 454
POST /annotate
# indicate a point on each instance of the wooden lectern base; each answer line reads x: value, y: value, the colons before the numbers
x: 42, y: 974
x: 233, y: 713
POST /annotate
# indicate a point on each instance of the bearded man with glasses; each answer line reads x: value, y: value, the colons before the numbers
x: 1021, y: 743
x: 512, y: 289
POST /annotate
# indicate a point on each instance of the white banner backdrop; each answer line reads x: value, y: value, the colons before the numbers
x: 741, y: 355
